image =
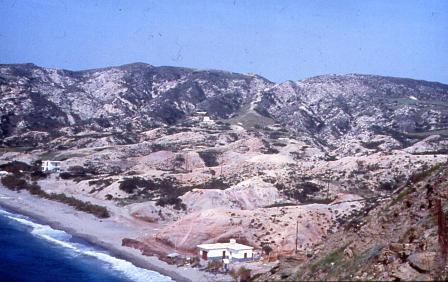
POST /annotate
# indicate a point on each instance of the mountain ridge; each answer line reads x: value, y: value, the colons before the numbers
x: 140, y: 96
x: 235, y: 155
x: 219, y: 70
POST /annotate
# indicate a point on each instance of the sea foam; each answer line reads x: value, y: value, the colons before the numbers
x: 62, y: 239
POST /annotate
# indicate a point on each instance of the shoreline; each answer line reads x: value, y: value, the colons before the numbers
x: 15, y: 204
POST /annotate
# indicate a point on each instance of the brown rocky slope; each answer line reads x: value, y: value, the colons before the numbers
x: 403, y: 238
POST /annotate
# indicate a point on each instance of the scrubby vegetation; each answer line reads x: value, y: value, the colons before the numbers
x: 303, y: 191
x: 130, y: 185
x: 96, y: 210
x: 77, y: 173
x: 268, y: 149
x: 175, y: 202
x: 244, y: 274
x: 165, y: 191
x: 416, y: 177
x: 209, y: 157
x: 19, y: 168
x: 16, y: 167
x: 388, y: 186
x: 279, y: 205
x: 214, y: 265
x: 213, y: 183
x: 13, y: 182
x: 372, y: 145
x: 104, y: 182
x: 329, y: 260
x: 17, y: 182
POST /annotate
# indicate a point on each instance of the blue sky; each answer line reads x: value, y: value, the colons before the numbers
x: 280, y: 40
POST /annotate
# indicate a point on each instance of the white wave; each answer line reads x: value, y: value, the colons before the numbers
x: 133, y: 272
x: 5, y: 212
x: 61, y: 243
x: 62, y: 238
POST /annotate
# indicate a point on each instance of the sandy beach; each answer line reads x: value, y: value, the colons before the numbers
x: 106, y: 233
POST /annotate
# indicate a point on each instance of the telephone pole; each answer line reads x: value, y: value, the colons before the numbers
x: 297, y: 232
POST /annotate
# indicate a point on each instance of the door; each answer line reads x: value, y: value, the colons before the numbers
x: 223, y: 254
x: 245, y: 255
x: 204, y: 255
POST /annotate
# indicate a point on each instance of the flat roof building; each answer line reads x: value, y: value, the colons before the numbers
x: 51, y: 166
x: 232, y: 251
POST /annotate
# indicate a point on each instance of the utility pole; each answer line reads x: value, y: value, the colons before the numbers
x: 297, y: 232
x: 220, y: 165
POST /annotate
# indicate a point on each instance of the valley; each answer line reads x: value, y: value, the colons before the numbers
x: 203, y: 156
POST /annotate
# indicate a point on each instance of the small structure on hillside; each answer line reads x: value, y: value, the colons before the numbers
x: 202, y: 117
x: 173, y: 255
x: 227, y: 252
x: 3, y: 173
x: 51, y: 166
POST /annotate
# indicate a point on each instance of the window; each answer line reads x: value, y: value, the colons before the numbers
x: 204, y: 255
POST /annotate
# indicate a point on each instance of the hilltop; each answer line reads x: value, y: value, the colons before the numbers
x: 234, y: 155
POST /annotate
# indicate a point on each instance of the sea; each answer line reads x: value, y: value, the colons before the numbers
x: 31, y: 251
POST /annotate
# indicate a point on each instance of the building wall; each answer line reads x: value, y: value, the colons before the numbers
x: 215, y: 253
x: 232, y: 254
x: 50, y: 166
x: 240, y: 254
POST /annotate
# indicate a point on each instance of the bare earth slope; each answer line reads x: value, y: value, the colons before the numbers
x: 208, y: 155
x: 403, y: 238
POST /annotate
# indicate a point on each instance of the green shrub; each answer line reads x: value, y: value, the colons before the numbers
x: 419, y: 176
x: 266, y: 249
x: 214, y: 265
x: 129, y: 185
x: 77, y: 173
x: 77, y: 170
x: 13, y: 182
x: 209, y: 157
x: 268, y: 149
x: 244, y: 274
x: 214, y: 183
x: 276, y: 205
x: 35, y: 189
x: 101, y: 182
x: 15, y: 167
x: 65, y: 175
x: 388, y: 186
x: 98, y: 211
x: 326, y: 262
x: 38, y: 174
x: 175, y: 202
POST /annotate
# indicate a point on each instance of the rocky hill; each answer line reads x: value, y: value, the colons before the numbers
x: 344, y: 109
x: 333, y: 111
x: 403, y: 238
x: 234, y: 155
x: 132, y: 98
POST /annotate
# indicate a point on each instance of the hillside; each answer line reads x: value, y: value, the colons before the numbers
x: 402, y: 238
x: 233, y: 155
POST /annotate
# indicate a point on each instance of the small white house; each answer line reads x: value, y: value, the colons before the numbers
x: 51, y: 166
x: 202, y: 117
x: 3, y: 173
x: 231, y: 251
